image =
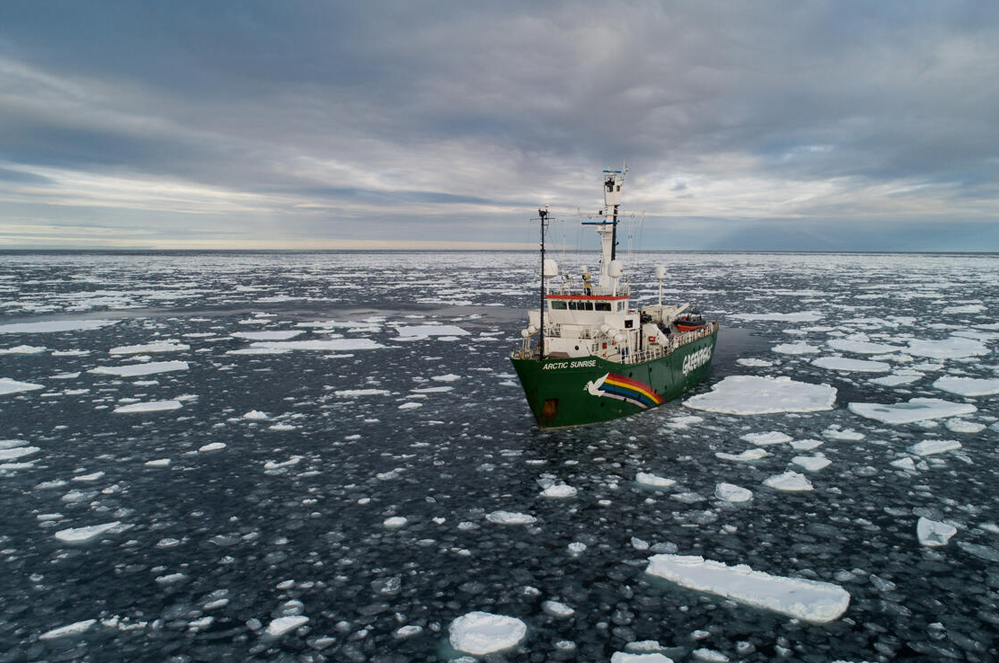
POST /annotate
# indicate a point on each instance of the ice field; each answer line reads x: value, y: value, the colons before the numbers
x: 328, y: 457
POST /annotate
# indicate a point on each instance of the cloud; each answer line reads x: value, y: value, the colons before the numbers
x: 450, y: 120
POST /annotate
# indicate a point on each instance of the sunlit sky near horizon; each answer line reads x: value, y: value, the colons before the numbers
x: 817, y: 125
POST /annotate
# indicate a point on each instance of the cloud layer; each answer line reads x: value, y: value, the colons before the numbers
x: 774, y: 125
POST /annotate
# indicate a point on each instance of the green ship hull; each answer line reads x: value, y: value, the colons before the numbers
x: 585, y: 390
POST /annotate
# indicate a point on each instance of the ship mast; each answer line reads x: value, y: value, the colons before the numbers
x: 543, y: 213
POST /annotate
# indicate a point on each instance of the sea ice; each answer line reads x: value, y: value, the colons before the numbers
x: 931, y: 447
x: 625, y: 657
x: 800, y: 316
x: 807, y: 600
x: 410, y: 406
x: 752, y: 362
x: 256, y: 415
x: 76, y: 628
x: 805, y: 445
x: 556, y: 609
x: 511, y: 518
x: 861, y: 347
x: 416, y: 332
x: 906, y: 464
x: 731, y: 493
x: 481, y: 633
x: 897, y: 380
x: 148, y: 348
x: 764, y: 439
x: 330, y: 345
x: 744, y: 457
x: 355, y: 393
x: 133, y: 370
x: 23, y: 350
x: 811, y: 463
x: 54, y: 326
x: 8, y: 386
x: 791, y: 482
x: 954, y: 347
x: 267, y: 335
x: 968, y: 386
x: 795, y: 349
x: 211, y: 446
x: 282, y: 625
x: 395, y: 522
x: 151, y: 406
x: 647, y: 479
x: 851, y: 365
x: 916, y: 409
x: 745, y: 394
x: 16, y: 452
x: 84, y: 534
x: 559, y: 491
x: 962, y: 426
x: 934, y: 534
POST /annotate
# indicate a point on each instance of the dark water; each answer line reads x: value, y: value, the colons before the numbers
x: 289, y: 517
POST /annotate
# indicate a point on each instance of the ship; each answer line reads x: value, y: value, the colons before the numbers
x: 587, y: 356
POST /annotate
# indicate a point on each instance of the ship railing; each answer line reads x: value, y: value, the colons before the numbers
x: 648, y: 354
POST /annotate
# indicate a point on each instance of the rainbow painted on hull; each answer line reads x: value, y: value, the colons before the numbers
x: 628, y: 390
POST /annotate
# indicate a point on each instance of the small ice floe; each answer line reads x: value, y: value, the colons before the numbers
x: 149, y: 348
x: 23, y: 350
x: 851, y: 365
x: 511, y: 518
x: 576, y: 548
x: 70, y: 630
x: 417, y: 332
x: 795, y: 349
x: 744, y: 457
x: 449, y: 377
x: 746, y: 394
x: 968, y: 386
x: 861, y: 347
x: 135, y: 370
x: 159, y: 462
x: 791, y: 482
x: 8, y: 386
x: 647, y: 479
x: 934, y: 534
x: 277, y: 335
x: 318, y: 345
x: 811, y: 463
x: 481, y: 633
x: 410, y: 405
x: 963, y: 308
x: 897, y: 379
x: 359, y: 393
x: 799, y: 316
x: 846, y: 434
x: 150, y: 406
x: 286, y: 624
x: 556, y: 609
x: 211, y: 446
x: 916, y: 409
x: 808, y: 600
x: 765, y: 439
x: 752, y: 362
x: 54, y: 326
x: 256, y: 415
x: 14, y: 449
x: 709, y: 655
x: 806, y: 445
x: 962, y: 426
x: 729, y: 492
x: 407, y: 631
x: 559, y: 491
x: 954, y: 347
x: 85, y: 534
x: 395, y: 522
x: 906, y: 464
x: 930, y: 447
x: 652, y: 657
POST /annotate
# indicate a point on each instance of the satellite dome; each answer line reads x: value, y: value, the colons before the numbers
x: 614, y: 269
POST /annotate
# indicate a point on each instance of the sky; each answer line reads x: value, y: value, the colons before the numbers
x: 811, y: 125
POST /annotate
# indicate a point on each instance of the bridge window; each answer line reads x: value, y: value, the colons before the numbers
x: 589, y: 305
x: 603, y: 306
x: 557, y: 305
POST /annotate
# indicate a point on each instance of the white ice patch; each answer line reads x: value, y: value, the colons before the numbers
x: 394, y: 522
x: 559, y: 491
x: 625, y: 657
x: 331, y: 345
x: 211, y: 446
x: 861, y: 347
x: 647, y: 479
x: 511, y: 518
x: 954, y: 347
x: 134, y: 370
x: 790, y: 482
x: 729, y: 492
x: 76, y: 628
x: 85, y: 534
x: 931, y: 447
x: 962, y: 426
x: 897, y: 380
x: 811, y: 463
x: 357, y: 393
x: 13, y: 453
x: 256, y: 415
x: 481, y: 633
x: 744, y: 457
x: 151, y: 406
x: 934, y: 534
x: 968, y: 386
x: 54, y: 326
x: 268, y: 335
x: 795, y: 349
x: 916, y: 409
x: 745, y: 394
x: 805, y: 445
x: 764, y: 439
x: 149, y: 348
x: 851, y: 365
x: 416, y: 332
x: 282, y: 625
x: 556, y: 609
x: 23, y: 350
x: 8, y: 386
x: 807, y: 600
x: 753, y: 363
x: 800, y: 316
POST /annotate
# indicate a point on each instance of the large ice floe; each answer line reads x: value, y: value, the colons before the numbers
x: 150, y: 406
x: 8, y: 386
x: 861, y: 347
x: 970, y: 387
x: 417, y: 332
x: 934, y: 534
x: 54, y: 326
x: 135, y: 370
x: 808, y: 600
x: 916, y: 409
x: 482, y: 633
x: 799, y: 316
x: 851, y: 365
x: 319, y: 345
x: 954, y: 347
x: 746, y: 394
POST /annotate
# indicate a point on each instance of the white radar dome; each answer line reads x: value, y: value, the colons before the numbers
x: 614, y: 269
x: 532, y: 329
x: 660, y: 273
x: 550, y: 268
x: 525, y: 333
